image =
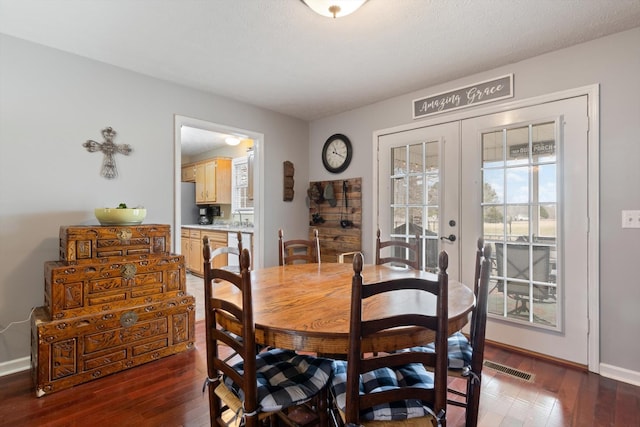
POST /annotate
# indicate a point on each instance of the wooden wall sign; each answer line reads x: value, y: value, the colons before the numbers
x: 334, y: 237
x: 479, y: 93
x: 287, y: 192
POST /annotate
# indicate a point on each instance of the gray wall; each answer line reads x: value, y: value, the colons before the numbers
x: 614, y: 63
x: 50, y: 103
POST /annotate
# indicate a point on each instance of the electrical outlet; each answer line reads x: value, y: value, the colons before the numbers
x: 630, y: 219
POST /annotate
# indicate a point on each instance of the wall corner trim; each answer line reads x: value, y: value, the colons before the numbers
x: 620, y: 374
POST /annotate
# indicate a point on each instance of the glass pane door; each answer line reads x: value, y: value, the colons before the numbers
x: 413, y: 199
x: 519, y: 217
x: 524, y: 189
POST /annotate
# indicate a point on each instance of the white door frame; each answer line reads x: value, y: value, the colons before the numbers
x: 258, y: 181
x: 593, y: 268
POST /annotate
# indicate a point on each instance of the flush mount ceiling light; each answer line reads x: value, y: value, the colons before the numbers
x: 232, y: 140
x: 334, y: 8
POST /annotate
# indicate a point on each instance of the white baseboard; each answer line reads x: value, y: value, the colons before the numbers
x: 15, y: 365
x: 615, y: 373
x: 620, y: 374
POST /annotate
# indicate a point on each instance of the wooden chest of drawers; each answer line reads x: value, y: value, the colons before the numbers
x: 76, y: 290
x: 81, y: 244
x: 72, y: 351
x: 115, y: 299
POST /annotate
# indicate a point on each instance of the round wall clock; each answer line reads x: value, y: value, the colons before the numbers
x: 336, y: 153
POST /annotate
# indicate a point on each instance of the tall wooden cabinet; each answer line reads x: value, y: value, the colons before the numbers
x: 213, y: 181
x: 115, y: 299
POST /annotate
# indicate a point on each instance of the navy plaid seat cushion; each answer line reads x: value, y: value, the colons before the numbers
x: 414, y: 375
x: 285, y: 378
x: 460, y: 350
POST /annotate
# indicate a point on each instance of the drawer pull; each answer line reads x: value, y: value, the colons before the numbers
x: 128, y: 271
x: 124, y: 234
x: 128, y: 319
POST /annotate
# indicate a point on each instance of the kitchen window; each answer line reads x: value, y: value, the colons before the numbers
x: 242, y: 197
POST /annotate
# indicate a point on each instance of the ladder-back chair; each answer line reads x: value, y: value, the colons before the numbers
x: 394, y: 388
x: 298, y: 251
x: 399, y: 252
x: 259, y: 385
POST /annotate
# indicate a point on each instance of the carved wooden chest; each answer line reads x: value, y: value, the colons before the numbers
x: 76, y: 290
x: 80, y: 244
x: 115, y: 299
x: 67, y: 352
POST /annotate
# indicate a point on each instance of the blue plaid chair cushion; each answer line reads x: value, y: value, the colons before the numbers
x: 285, y: 378
x: 384, y: 379
x: 460, y: 351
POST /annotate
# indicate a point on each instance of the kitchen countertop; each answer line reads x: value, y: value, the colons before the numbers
x: 220, y: 227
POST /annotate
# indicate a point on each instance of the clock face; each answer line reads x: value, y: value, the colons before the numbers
x: 336, y: 153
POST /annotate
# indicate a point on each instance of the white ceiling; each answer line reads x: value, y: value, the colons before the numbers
x: 279, y: 55
x: 195, y: 141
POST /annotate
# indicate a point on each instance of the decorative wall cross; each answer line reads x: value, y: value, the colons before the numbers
x: 109, y: 148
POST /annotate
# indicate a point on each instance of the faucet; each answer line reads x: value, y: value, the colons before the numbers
x: 240, y: 215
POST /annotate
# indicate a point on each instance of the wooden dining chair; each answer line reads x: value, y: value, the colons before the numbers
x: 258, y: 385
x: 466, y: 354
x: 298, y: 250
x: 228, y: 251
x: 399, y: 252
x: 394, y: 388
x: 476, y: 280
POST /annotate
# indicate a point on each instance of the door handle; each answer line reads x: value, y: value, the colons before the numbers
x: 450, y: 237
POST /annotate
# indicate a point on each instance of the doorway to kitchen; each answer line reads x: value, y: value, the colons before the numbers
x: 182, y: 123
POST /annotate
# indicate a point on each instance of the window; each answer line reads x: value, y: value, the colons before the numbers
x: 415, y: 199
x: 519, y: 211
x: 242, y: 199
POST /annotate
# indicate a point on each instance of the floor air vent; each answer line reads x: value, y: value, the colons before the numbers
x: 525, y: 376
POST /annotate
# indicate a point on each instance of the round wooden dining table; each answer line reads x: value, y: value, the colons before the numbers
x: 306, y: 307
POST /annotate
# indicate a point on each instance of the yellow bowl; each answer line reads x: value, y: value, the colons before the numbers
x: 113, y: 216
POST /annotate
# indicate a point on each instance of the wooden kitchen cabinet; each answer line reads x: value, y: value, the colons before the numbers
x: 185, y: 244
x: 188, y: 173
x: 213, y: 181
x: 192, y: 248
x: 195, y: 252
x: 217, y: 239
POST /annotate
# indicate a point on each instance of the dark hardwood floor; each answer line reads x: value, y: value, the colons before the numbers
x: 168, y: 392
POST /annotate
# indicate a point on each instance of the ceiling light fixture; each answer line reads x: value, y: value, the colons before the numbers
x: 334, y: 8
x: 232, y: 140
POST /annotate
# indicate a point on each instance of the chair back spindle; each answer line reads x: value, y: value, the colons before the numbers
x: 298, y: 250
x: 401, y: 252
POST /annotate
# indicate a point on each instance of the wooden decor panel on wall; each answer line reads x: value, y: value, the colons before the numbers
x: 334, y: 238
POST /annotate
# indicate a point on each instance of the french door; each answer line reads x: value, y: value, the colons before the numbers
x: 518, y: 179
x: 525, y: 175
x: 416, y: 195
